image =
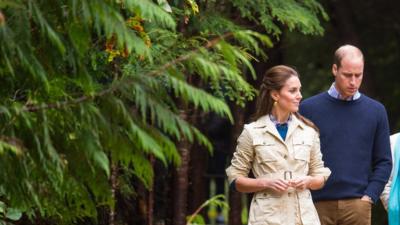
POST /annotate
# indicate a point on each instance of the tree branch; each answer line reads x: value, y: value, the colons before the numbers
x: 116, y: 86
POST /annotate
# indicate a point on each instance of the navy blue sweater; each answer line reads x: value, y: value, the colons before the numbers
x: 354, y: 143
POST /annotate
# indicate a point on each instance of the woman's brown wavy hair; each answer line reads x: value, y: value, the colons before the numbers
x: 274, y: 79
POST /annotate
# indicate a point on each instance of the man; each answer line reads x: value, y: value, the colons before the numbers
x: 354, y: 135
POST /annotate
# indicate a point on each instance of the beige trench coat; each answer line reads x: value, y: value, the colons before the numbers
x: 261, y: 149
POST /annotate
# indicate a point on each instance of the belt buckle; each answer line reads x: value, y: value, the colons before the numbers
x: 288, y: 175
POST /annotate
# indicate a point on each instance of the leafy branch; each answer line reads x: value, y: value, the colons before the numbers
x: 218, y: 200
x: 115, y: 87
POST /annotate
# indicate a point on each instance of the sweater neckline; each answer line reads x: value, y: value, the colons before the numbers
x: 344, y: 102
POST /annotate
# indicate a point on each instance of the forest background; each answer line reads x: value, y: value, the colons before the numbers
x: 127, y: 111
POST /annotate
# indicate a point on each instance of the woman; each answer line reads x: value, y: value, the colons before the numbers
x: 391, y: 194
x: 283, y: 151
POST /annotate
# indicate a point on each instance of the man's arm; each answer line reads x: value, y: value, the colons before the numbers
x: 381, y: 159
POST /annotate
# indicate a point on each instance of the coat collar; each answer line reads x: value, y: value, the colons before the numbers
x: 267, y: 125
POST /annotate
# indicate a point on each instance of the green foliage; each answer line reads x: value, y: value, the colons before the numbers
x: 9, y: 214
x: 302, y: 15
x: 88, y: 86
x: 215, y: 201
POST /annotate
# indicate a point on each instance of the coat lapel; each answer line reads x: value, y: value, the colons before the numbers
x: 267, y: 125
x: 293, y: 126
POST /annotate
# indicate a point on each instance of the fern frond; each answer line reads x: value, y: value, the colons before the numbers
x: 151, y: 12
x: 201, y: 99
x: 45, y: 28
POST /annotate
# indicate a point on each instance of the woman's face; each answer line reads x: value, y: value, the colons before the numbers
x: 289, y: 96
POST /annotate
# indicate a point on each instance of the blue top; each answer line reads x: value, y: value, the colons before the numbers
x: 282, y: 128
x: 355, y: 145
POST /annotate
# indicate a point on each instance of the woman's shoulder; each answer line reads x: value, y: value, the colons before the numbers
x: 306, y: 127
x: 258, y: 123
x: 309, y: 132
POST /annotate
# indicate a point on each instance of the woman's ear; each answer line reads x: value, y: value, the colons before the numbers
x: 275, y: 95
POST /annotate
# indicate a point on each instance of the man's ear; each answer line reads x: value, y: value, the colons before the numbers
x: 334, y: 69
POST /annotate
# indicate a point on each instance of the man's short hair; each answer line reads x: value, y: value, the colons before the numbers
x: 346, y: 50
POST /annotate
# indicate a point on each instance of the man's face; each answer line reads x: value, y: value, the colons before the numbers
x: 348, y: 76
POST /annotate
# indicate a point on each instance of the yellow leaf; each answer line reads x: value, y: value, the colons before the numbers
x: 193, y: 5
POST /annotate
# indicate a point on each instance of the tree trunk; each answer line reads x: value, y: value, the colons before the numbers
x: 198, y: 188
x: 114, y: 186
x: 235, y: 198
x: 150, y: 200
x: 343, y: 21
x: 198, y: 183
x: 181, y: 181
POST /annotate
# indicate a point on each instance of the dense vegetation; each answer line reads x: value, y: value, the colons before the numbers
x: 99, y: 96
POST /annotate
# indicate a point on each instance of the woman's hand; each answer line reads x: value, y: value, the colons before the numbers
x: 277, y: 185
x: 301, y: 182
x: 308, y: 182
x: 249, y: 185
